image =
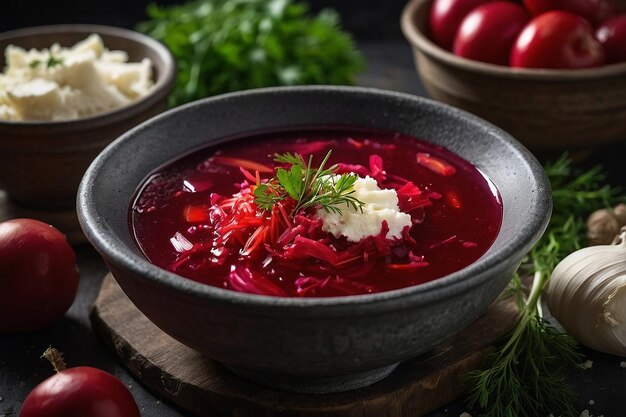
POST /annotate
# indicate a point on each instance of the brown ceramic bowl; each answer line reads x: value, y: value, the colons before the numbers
x: 547, y: 110
x: 42, y: 163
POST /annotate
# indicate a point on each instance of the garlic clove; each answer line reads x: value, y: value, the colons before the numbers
x: 602, y: 226
x: 614, y: 313
x: 594, y: 316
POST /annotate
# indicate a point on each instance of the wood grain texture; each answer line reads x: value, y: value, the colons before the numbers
x: 200, y: 385
x: 65, y: 220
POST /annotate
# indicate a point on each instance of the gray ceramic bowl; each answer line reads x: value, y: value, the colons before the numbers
x: 322, y: 344
x: 42, y: 163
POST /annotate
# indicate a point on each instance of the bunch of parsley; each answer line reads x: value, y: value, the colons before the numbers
x: 230, y: 45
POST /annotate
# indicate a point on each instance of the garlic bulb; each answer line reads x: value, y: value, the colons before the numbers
x: 587, y: 295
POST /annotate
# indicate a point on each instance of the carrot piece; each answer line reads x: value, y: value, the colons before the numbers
x: 453, y: 199
x: 409, y: 266
x: 437, y: 165
x: 357, y: 144
x: 242, y: 163
x: 196, y: 214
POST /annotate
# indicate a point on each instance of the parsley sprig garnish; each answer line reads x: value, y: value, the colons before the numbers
x: 308, y: 186
x: 525, y: 377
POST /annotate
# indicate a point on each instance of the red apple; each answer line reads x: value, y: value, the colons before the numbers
x: 612, y: 36
x: 594, y: 11
x: 487, y: 33
x: 557, y: 39
x: 38, y: 275
x: 445, y: 18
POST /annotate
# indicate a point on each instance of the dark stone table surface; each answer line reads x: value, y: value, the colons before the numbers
x: 602, y: 388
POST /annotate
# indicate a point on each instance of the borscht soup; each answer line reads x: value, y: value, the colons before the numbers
x: 316, y: 213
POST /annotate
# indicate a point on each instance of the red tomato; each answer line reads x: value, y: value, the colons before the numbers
x: 594, y: 11
x: 557, y: 40
x: 612, y: 36
x: 80, y: 392
x: 445, y: 18
x: 38, y: 275
x: 487, y: 33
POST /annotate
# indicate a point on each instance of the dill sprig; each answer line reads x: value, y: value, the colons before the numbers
x: 308, y: 186
x: 525, y: 377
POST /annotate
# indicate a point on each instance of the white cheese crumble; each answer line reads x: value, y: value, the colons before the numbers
x: 69, y: 83
x: 379, y: 205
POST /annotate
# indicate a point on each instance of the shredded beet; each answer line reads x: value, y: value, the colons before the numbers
x: 239, y: 224
x: 376, y: 168
x: 243, y: 279
x: 359, y: 170
x: 303, y: 247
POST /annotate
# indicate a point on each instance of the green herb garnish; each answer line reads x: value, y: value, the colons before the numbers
x: 51, y: 62
x: 308, y: 186
x: 525, y: 377
x: 230, y: 45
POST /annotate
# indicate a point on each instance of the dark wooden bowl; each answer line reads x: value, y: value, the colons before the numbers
x: 42, y: 163
x: 546, y: 110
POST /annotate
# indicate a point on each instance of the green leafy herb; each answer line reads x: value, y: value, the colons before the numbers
x: 308, y: 186
x: 230, y: 45
x: 525, y: 377
x: 51, y: 62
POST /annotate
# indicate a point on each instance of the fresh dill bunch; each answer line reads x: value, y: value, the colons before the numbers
x: 308, y: 186
x: 525, y: 377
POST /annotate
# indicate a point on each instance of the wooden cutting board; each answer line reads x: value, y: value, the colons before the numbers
x: 200, y: 385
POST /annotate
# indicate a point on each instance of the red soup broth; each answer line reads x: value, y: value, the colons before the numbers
x: 197, y: 217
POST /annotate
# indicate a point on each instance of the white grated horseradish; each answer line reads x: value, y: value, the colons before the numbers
x: 70, y: 83
x: 379, y: 205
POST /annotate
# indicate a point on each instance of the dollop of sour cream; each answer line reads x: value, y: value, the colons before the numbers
x: 379, y: 205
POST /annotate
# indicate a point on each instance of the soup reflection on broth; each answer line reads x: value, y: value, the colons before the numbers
x: 261, y: 215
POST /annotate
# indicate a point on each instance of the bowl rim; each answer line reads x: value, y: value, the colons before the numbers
x: 160, y: 89
x: 112, y: 247
x: 418, y: 39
